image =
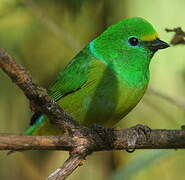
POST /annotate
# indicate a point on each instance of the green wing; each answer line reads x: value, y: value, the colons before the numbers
x: 74, y: 76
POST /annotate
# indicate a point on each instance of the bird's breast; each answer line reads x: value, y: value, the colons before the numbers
x: 104, y: 99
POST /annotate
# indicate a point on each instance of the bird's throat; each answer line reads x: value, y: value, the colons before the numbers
x: 133, y: 74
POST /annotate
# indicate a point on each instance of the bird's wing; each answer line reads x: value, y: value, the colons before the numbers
x: 74, y: 76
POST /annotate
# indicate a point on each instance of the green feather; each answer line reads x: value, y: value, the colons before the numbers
x: 106, y: 79
x: 73, y: 76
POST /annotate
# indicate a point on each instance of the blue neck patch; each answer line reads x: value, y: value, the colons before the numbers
x: 93, y: 50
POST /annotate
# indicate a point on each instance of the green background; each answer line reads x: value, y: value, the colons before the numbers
x: 43, y: 35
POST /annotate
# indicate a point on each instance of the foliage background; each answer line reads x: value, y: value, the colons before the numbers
x: 44, y: 35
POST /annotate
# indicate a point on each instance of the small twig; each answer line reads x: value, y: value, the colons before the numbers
x: 71, y: 163
x: 179, y: 36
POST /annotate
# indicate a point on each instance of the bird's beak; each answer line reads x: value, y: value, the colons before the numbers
x: 157, y: 44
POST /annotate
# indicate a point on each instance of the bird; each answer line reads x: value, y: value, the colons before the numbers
x: 106, y: 79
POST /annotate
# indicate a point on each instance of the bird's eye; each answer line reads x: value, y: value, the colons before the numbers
x: 133, y: 41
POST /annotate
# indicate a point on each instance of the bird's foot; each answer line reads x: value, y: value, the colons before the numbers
x: 142, y: 130
x: 103, y: 133
x: 135, y: 133
x: 98, y: 129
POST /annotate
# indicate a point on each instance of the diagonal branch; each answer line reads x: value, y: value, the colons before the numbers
x: 67, y: 168
x: 37, y: 95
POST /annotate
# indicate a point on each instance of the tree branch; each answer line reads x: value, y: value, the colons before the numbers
x: 112, y: 139
x: 80, y: 141
x: 67, y: 168
x: 39, y: 99
x: 179, y: 36
x: 21, y: 142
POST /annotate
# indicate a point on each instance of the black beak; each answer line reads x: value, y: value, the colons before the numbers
x: 157, y: 44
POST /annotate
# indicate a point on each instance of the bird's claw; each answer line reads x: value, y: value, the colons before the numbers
x: 142, y: 130
x: 135, y: 133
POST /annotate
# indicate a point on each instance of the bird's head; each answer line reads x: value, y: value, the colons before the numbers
x: 139, y: 33
x: 132, y: 39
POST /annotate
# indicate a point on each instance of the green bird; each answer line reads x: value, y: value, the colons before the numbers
x: 106, y: 79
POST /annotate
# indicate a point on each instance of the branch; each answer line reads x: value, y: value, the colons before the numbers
x: 22, y: 142
x: 67, y: 168
x: 80, y: 141
x: 111, y: 139
x: 179, y: 36
x: 39, y: 99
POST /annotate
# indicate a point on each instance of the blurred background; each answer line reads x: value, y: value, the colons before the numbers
x: 44, y: 35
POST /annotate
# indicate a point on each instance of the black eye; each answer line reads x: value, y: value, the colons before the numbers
x: 133, y: 41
